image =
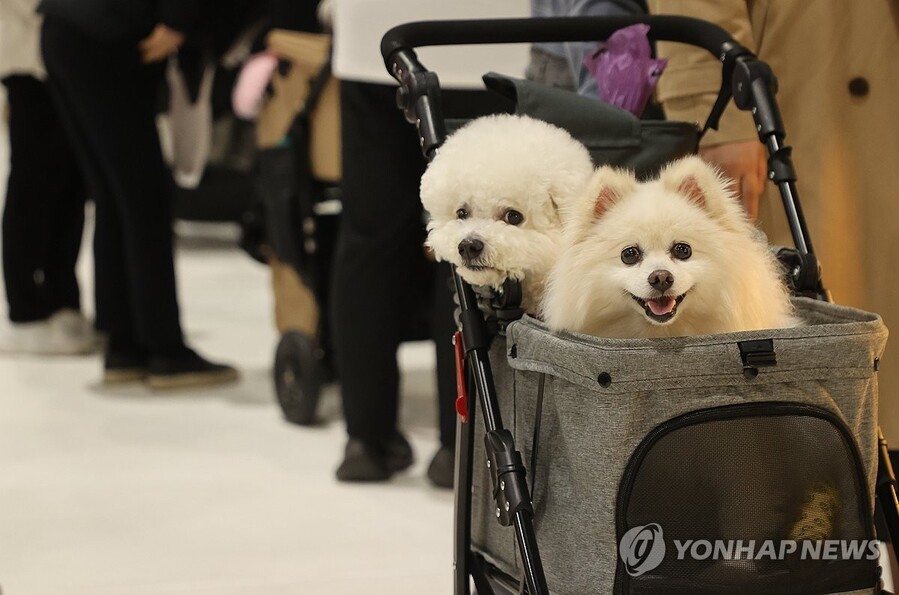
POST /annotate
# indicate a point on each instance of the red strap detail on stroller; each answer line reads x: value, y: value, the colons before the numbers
x: 461, y: 390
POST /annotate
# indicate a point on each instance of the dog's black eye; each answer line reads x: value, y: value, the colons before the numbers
x: 462, y: 214
x: 631, y: 255
x: 513, y: 217
x: 681, y: 251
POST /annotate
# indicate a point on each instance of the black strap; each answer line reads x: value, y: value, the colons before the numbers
x: 729, y: 55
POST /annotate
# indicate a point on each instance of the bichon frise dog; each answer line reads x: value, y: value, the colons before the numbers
x: 493, y: 194
x: 671, y: 257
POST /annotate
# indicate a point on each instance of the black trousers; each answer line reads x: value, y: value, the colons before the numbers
x: 43, y: 218
x: 108, y: 99
x: 381, y: 274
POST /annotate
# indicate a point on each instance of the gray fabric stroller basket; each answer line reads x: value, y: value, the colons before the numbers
x: 768, y: 435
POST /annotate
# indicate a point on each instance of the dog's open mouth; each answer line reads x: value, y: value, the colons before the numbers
x: 660, y: 309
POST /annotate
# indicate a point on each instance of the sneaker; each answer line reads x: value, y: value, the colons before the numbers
x: 442, y: 470
x: 365, y: 461
x: 66, y: 332
x: 187, y: 369
x: 72, y: 326
x: 120, y: 367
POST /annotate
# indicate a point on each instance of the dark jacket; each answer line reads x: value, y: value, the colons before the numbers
x: 124, y: 20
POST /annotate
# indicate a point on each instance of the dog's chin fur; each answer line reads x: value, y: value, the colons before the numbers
x: 489, y: 166
x: 731, y: 282
x: 510, y: 252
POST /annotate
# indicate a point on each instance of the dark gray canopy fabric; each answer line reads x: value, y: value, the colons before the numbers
x: 612, y: 135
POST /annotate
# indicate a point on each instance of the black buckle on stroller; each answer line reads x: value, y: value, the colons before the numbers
x: 507, y: 303
x: 755, y: 355
x: 510, y: 489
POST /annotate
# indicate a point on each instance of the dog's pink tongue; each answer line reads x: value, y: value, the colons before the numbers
x: 661, y: 306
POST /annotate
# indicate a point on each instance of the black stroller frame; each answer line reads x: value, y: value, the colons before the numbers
x: 752, y: 85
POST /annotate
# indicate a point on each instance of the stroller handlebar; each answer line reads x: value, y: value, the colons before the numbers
x: 553, y: 29
x: 745, y: 78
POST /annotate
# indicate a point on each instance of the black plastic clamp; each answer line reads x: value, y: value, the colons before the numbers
x: 506, y: 303
x: 475, y: 332
x: 510, y: 488
x: 757, y: 354
x: 418, y: 96
x: 730, y: 53
x: 754, y: 88
x: 780, y: 166
x: 803, y: 272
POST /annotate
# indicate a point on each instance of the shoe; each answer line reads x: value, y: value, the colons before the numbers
x: 442, y: 470
x: 186, y: 369
x: 65, y: 332
x: 71, y: 326
x: 120, y: 367
x: 364, y: 461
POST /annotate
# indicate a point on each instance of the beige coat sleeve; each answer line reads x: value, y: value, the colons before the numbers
x: 690, y: 84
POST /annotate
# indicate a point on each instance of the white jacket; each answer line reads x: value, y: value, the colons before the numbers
x: 20, y: 26
x: 360, y: 24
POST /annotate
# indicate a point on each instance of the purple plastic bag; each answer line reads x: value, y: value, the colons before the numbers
x: 625, y: 70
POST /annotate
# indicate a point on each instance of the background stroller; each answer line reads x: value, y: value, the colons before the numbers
x: 298, y: 174
x: 630, y: 449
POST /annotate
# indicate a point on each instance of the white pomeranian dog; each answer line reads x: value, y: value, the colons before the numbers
x: 671, y: 257
x: 494, y: 194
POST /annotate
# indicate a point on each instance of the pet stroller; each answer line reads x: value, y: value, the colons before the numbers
x: 728, y: 449
x: 298, y: 135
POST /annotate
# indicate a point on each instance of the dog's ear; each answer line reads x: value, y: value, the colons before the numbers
x: 690, y: 188
x: 607, y: 197
x: 606, y: 187
x: 698, y: 182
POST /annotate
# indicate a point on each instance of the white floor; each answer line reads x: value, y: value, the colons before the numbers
x: 126, y: 492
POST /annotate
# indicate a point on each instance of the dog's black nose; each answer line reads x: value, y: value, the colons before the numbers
x: 470, y: 248
x: 661, y: 279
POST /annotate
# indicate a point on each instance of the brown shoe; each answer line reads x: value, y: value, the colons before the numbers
x: 187, y: 369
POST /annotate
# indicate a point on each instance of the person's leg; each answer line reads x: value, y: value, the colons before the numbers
x: 379, y: 245
x: 68, y: 198
x: 113, y: 98
x: 43, y: 222
x: 443, y: 325
x: 26, y: 229
x: 111, y: 288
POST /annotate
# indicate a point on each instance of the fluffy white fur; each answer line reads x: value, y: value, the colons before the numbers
x: 731, y: 282
x: 493, y: 165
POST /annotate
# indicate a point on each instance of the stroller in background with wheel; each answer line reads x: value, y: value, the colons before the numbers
x: 298, y: 174
x: 729, y: 441
x: 298, y: 135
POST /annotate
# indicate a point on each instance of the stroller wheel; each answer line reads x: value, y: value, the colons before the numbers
x: 299, y: 376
